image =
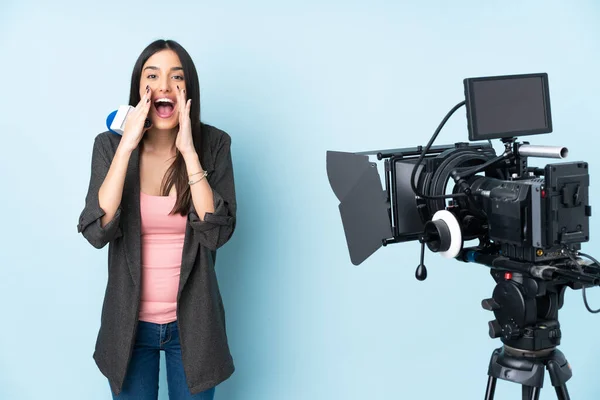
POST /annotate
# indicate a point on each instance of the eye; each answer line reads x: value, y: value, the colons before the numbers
x: 180, y: 77
x: 151, y: 76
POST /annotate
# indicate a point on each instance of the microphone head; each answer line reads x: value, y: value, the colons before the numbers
x: 115, y: 122
x: 109, y: 121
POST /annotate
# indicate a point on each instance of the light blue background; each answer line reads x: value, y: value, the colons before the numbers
x: 288, y: 82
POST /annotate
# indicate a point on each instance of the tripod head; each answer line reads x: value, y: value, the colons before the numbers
x: 528, y: 295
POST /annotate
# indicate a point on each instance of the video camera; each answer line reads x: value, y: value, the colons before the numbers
x: 529, y: 222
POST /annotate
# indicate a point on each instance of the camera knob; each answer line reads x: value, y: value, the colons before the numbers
x: 495, y: 329
x: 511, y: 331
x: 490, y: 305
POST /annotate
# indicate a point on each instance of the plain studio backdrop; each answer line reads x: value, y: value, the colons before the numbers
x: 288, y: 81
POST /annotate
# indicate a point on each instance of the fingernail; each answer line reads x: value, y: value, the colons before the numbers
x: 147, y: 87
x: 147, y: 100
x: 177, y: 87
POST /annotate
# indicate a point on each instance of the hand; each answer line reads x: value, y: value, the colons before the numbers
x: 134, y: 125
x: 184, y: 141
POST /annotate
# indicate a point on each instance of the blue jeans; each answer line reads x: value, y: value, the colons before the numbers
x: 141, y: 382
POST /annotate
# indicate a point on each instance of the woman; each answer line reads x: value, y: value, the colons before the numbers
x: 163, y: 198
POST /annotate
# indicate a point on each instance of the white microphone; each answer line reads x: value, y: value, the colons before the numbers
x: 115, y: 122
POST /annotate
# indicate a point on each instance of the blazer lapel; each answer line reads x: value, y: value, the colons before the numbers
x: 132, y: 224
x: 191, y: 246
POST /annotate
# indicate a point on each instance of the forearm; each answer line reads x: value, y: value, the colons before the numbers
x: 111, y: 191
x: 202, y: 194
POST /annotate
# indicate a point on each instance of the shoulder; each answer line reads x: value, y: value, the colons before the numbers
x: 213, y: 146
x: 106, y: 143
x: 214, y: 136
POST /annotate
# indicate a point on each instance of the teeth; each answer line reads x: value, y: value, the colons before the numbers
x: 165, y: 100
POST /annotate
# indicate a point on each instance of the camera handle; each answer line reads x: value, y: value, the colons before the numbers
x: 421, y: 272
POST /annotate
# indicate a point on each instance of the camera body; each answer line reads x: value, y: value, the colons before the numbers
x: 529, y: 214
x: 524, y: 213
x: 532, y: 219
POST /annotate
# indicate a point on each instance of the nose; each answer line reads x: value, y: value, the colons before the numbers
x: 163, y: 84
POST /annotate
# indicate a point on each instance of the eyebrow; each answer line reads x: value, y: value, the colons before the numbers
x: 156, y: 68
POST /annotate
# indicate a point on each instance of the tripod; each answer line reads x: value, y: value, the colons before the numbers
x: 527, y: 369
x: 526, y: 311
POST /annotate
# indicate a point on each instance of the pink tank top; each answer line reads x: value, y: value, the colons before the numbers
x: 162, y: 247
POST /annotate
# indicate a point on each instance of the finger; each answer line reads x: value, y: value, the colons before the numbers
x: 148, y: 101
x: 146, y: 109
x: 145, y: 102
x: 186, y: 108
x: 180, y: 99
x: 148, y: 97
x: 180, y: 103
x: 143, y: 99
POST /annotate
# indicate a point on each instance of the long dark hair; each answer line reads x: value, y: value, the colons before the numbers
x: 177, y: 173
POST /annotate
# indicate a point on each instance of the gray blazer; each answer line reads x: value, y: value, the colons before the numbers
x: 200, y: 314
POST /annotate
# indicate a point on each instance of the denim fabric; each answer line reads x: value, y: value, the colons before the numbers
x: 141, y: 381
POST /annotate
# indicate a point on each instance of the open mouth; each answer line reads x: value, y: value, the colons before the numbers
x: 164, y: 107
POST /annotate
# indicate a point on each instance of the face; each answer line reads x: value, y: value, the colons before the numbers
x: 163, y: 73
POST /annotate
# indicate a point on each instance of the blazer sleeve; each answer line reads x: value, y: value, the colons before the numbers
x: 217, y: 228
x: 90, y: 225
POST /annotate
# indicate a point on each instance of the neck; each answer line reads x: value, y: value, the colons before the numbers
x: 160, y: 141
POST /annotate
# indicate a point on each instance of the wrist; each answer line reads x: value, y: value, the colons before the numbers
x: 123, y: 151
x: 190, y: 157
x: 192, y: 163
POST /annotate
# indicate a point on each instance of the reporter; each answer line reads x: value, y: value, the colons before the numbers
x: 163, y: 199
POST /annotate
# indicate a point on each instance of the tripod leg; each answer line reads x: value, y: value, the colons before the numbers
x: 561, y: 392
x: 491, y: 388
x: 530, y: 392
x: 535, y: 393
x: 526, y: 390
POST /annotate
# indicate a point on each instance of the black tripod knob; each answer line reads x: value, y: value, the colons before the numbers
x: 511, y: 331
x: 495, y: 329
x: 490, y: 305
